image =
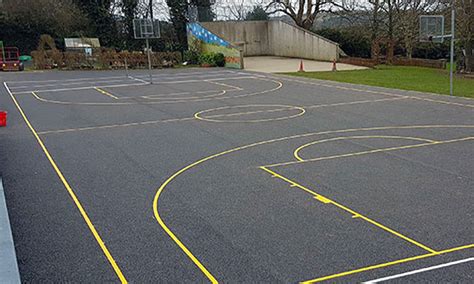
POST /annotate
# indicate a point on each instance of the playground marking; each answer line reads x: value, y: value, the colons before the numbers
x: 151, y: 122
x: 279, y: 85
x: 66, y: 84
x: 142, y: 83
x: 298, y: 157
x: 78, y: 88
x: 420, y: 270
x: 357, y: 102
x: 65, y: 80
x: 198, y: 263
x: 224, y: 85
x: 105, y: 93
x: 177, y: 95
x: 138, y: 79
x: 443, y: 102
x: 370, y: 152
x: 377, y: 92
x: 387, y: 264
x: 326, y: 200
x: 75, y: 199
x: 114, y: 125
x: 199, y: 115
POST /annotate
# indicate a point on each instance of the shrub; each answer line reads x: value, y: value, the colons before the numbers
x: 219, y: 59
x: 207, y: 58
x: 353, y: 42
x: 191, y: 56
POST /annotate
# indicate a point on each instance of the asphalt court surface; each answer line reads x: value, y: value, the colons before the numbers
x: 232, y: 176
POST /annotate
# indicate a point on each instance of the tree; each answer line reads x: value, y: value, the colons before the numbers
x: 178, y: 11
x: 465, y: 31
x: 22, y: 21
x: 103, y: 21
x: 232, y: 9
x: 129, y: 10
x: 257, y: 14
x: 303, y: 12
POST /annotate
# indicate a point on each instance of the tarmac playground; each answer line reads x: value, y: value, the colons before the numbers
x: 235, y: 176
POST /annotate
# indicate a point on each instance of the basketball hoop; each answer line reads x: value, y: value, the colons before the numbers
x: 432, y: 29
x: 147, y: 29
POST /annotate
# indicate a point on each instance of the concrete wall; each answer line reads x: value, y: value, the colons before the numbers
x: 290, y: 41
x: 275, y: 38
x: 252, y: 36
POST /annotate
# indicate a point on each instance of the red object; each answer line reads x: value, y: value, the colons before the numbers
x: 301, y: 66
x: 10, y: 59
x: 334, y: 68
x: 3, y: 118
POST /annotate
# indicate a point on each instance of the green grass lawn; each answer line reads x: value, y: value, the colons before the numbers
x: 399, y: 77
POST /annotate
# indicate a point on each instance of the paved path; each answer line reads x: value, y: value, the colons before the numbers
x: 275, y: 64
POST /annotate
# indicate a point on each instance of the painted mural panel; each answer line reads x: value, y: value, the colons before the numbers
x: 199, y: 38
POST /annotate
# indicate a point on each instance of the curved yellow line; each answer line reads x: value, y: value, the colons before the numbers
x: 199, y: 115
x: 160, y: 190
x: 298, y: 157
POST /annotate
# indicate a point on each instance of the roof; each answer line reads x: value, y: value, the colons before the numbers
x: 82, y: 42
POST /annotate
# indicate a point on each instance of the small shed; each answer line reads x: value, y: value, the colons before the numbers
x: 82, y: 44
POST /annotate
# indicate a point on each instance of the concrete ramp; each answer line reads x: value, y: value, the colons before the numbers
x: 275, y: 38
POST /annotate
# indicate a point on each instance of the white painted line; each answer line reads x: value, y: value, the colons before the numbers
x: 420, y: 270
x: 8, y: 264
x: 139, y: 80
x: 184, y: 74
x: 67, y: 80
x: 79, y: 88
x: 92, y: 82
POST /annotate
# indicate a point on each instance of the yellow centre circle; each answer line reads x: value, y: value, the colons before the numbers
x: 213, y: 114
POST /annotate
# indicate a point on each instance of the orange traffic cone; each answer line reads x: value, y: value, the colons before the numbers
x: 334, y: 68
x: 301, y: 66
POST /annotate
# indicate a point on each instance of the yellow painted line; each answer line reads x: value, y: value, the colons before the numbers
x: 370, y: 152
x: 386, y: 264
x: 190, y: 255
x: 298, y: 157
x: 114, y: 125
x: 78, y: 204
x: 199, y: 115
x: 162, y: 188
x: 352, y: 212
x: 190, y: 118
x: 104, y: 92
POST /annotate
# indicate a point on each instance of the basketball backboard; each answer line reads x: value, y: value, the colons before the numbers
x: 432, y: 28
x: 146, y: 28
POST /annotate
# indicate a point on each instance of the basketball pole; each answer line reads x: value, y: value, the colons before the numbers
x: 451, y: 65
x: 149, y: 60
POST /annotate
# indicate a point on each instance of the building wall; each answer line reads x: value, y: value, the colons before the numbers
x: 275, y: 38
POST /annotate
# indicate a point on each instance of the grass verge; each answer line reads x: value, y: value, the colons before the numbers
x: 399, y: 77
